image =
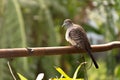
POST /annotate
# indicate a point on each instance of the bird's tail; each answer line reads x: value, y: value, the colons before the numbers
x: 94, y: 61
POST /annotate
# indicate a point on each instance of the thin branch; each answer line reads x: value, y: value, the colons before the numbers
x: 12, y: 71
x: 38, y: 51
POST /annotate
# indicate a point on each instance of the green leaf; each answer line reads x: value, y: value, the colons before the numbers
x: 117, y: 72
x: 13, y: 28
x: 78, y: 68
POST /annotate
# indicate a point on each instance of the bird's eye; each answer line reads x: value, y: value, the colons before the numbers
x: 68, y: 22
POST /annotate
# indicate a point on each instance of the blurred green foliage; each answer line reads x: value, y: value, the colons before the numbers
x: 33, y: 23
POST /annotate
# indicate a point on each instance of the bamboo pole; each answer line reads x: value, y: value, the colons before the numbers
x: 61, y: 50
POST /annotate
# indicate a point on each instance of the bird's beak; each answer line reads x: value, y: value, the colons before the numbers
x: 63, y: 25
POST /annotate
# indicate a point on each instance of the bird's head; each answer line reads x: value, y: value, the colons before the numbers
x: 67, y: 23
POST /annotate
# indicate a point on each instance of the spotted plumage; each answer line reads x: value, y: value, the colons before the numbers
x: 76, y: 35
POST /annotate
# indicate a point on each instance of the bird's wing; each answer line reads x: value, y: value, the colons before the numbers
x: 80, y: 37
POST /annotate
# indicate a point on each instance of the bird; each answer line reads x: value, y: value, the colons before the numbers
x: 76, y: 36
